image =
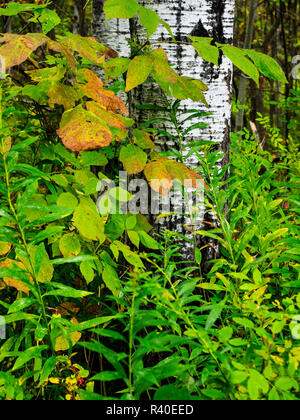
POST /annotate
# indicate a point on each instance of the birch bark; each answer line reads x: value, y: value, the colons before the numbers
x: 213, y: 18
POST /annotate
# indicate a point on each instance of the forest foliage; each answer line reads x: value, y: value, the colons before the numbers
x: 94, y: 305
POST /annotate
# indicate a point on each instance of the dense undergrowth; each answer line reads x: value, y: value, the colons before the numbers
x: 95, y: 307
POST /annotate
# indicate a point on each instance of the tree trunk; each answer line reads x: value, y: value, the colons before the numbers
x: 185, y: 17
x: 243, y: 80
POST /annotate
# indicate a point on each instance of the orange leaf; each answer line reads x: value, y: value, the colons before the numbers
x: 89, y: 48
x: 94, y: 89
x: 83, y: 130
x: 113, y: 120
x: 16, y: 283
x: 161, y: 173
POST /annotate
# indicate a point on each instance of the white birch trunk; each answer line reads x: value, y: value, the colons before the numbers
x: 185, y: 17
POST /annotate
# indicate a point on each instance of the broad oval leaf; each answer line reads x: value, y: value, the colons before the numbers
x: 138, y: 71
x: 82, y: 130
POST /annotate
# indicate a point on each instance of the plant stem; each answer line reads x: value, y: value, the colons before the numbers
x: 22, y: 233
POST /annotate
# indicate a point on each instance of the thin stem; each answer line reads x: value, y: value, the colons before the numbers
x: 130, y: 382
x: 21, y: 231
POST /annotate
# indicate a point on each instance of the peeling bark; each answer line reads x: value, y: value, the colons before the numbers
x: 210, y: 18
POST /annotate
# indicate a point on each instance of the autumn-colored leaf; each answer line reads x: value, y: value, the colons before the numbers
x: 87, y: 47
x: 82, y: 130
x: 133, y: 159
x: 46, y: 270
x: 112, y: 119
x: 67, y: 309
x: 55, y: 73
x: 174, y: 85
x: 62, y: 343
x: 93, y: 88
x: 158, y: 177
x: 5, y: 146
x: 66, y: 52
x: 92, y: 82
x: 64, y: 95
x: 4, y: 248
x: 143, y: 139
x: 11, y: 282
x: 162, y: 172
x: 17, y: 48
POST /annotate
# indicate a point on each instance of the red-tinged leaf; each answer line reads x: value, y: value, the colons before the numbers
x: 111, y: 102
x: 82, y: 130
x: 162, y: 172
x: 93, y: 84
x: 17, y: 48
x: 138, y: 72
x: 62, y: 49
x: 111, y: 119
x: 133, y: 159
x: 88, y: 48
x: 93, y: 88
x: 158, y: 177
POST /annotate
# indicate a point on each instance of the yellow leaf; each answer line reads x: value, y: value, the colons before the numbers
x: 62, y: 344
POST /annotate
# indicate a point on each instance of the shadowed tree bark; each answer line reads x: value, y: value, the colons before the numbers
x: 206, y: 18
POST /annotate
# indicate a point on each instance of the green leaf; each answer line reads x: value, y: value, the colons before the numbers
x: 267, y: 66
x: 107, y: 376
x: 115, y: 227
x: 47, y: 369
x: 256, y: 383
x: 133, y: 158
x: 134, y: 238
x: 211, y: 286
x: 66, y: 291
x: 88, y: 222
x: 27, y: 355
x: 20, y: 316
x: 21, y: 304
x: 96, y: 158
x: 119, y: 194
x: 48, y: 18
x: 138, y: 71
x: 149, y: 20
x: 87, y: 271
x: 69, y: 245
x: 244, y: 322
x: 67, y: 201
x: 148, y: 241
x: 238, y: 57
x: 206, y: 51
x: 72, y: 260
x: 120, y: 9
x: 116, y: 67
x: 171, y: 393
x: 174, y: 85
x: 12, y: 8
x: 111, y: 279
